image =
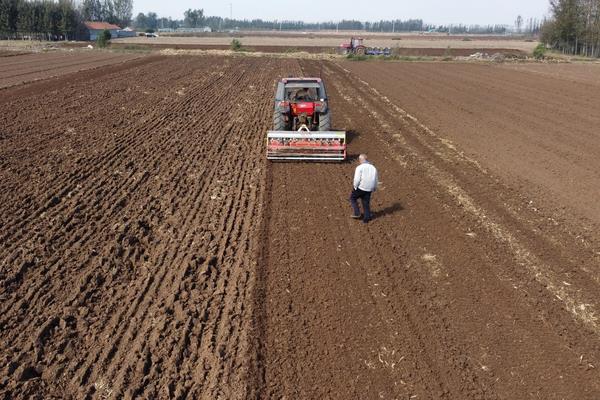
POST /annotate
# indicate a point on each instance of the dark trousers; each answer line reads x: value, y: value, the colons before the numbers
x: 365, y: 198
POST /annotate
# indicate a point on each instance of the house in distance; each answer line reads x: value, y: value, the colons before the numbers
x: 94, y: 29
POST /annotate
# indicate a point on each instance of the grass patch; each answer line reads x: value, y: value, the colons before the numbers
x: 539, y: 53
x: 236, y: 45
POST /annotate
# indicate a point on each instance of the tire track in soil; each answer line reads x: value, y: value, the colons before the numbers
x: 81, y: 177
x: 425, y: 301
x: 148, y: 292
x: 126, y: 331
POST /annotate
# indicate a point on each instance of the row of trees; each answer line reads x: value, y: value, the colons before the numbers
x: 195, y: 18
x: 58, y: 20
x: 532, y: 26
x: 574, y: 27
x: 118, y: 12
x: 38, y: 19
x: 150, y: 21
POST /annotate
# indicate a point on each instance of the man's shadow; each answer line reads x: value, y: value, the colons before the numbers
x: 389, y: 210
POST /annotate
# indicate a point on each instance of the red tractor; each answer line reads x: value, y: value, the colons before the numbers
x: 302, y: 123
x: 354, y: 46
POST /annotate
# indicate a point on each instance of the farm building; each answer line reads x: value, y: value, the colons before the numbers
x: 95, y: 29
x: 127, y: 32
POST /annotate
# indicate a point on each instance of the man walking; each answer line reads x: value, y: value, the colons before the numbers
x: 365, y: 183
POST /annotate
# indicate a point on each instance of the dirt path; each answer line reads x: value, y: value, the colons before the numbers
x: 450, y: 293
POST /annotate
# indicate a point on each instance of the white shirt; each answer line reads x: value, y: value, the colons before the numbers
x: 365, y: 177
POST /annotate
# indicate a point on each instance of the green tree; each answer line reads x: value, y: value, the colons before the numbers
x: 539, y: 52
x: 152, y: 20
x: 104, y: 38
x: 193, y: 18
x: 519, y: 23
x: 236, y: 45
x: 123, y: 11
x: 3, y: 17
x: 68, y: 20
x: 107, y: 13
x: 141, y: 21
x: 91, y: 10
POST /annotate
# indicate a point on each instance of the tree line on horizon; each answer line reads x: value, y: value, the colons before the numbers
x: 195, y: 18
x: 58, y: 20
x: 574, y: 27
x: 62, y: 19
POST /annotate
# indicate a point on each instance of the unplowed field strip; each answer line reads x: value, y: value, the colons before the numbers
x: 456, y: 290
x: 31, y: 67
x: 127, y: 257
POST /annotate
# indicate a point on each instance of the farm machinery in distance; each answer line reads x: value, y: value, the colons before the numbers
x: 356, y: 46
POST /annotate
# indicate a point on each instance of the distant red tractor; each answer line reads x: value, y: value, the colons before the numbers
x: 354, y: 46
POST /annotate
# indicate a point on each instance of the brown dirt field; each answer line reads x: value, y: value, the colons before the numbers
x: 538, y: 130
x: 129, y: 231
x: 458, y: 290
x: 10, y: 53
x: 148, y: 249
x: 31, y: 67
x: 410, y: 42
x: 402, y: 51
x: 586, y: 73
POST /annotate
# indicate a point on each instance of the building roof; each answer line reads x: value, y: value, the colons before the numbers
x: 100, y: 26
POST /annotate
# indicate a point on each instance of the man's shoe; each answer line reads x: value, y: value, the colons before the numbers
x: 356, y: 216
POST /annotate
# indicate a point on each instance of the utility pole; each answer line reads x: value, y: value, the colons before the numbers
x: 394, y: 26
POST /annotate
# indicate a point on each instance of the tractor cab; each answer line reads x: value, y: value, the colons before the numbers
x: 303, y: 94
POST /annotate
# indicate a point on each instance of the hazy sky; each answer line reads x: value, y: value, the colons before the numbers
x: 431, y: 11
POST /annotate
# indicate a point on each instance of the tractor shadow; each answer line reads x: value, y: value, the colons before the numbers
x: 351, y: 135
x: 389, y: 210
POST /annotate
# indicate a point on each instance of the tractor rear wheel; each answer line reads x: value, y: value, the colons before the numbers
x: 278, y: 122
x: 325, y: 122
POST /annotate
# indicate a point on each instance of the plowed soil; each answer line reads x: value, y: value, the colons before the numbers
x: 22, y: 68
x: 130, y: 232
x: 149, y: 250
